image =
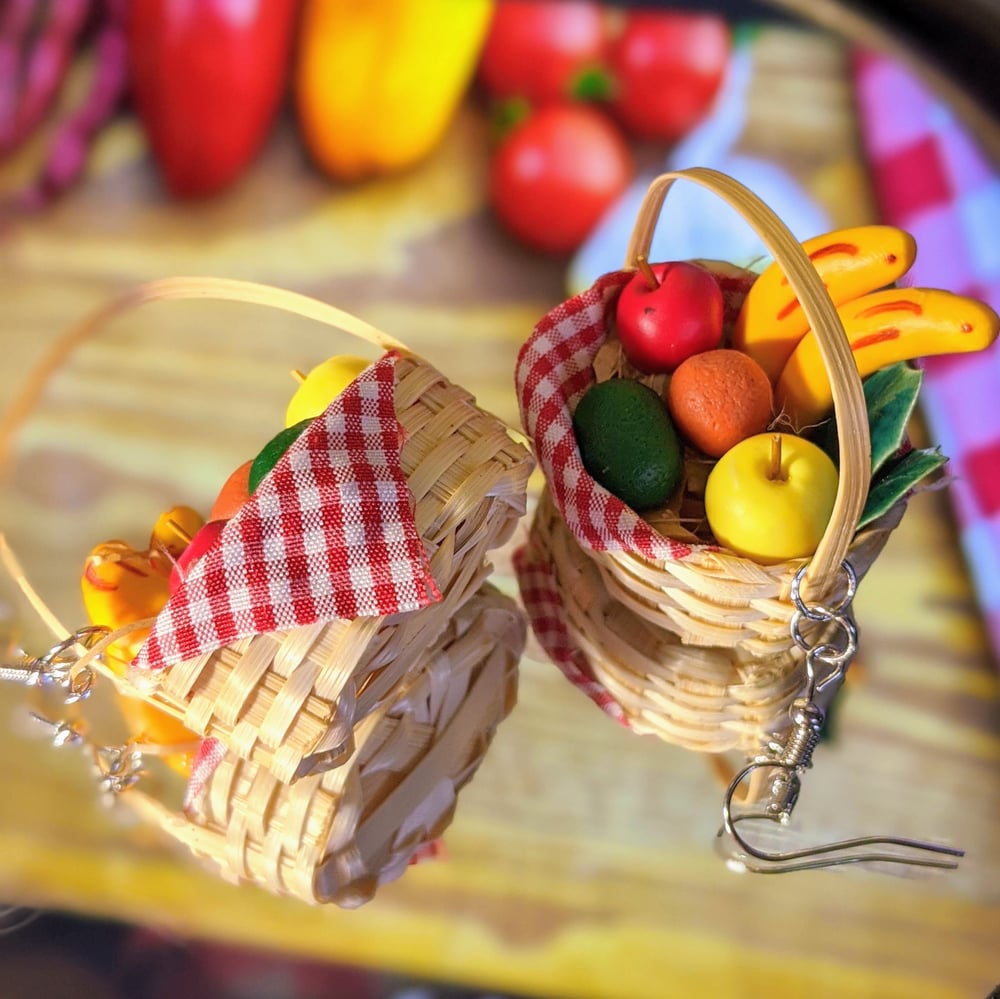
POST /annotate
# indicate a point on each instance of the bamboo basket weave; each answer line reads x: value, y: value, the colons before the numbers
x: 336, y: 836
x: 698, y: 650
x: 290, y: 701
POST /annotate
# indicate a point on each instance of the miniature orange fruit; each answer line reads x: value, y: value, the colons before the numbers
x: 718, y: 398
x: 233, y: 494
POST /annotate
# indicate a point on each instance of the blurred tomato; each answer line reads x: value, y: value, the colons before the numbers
x: 539, y: 49
x: 667, y: 68
x: 555, y: 175
x: 207, y: 77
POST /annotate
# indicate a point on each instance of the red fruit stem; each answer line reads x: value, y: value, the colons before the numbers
x: 593, y: 83
x: 505, y: 116
x: 67, y: 155
x: 647, y: 272
x: 774, y: 469
x: 46, y: 63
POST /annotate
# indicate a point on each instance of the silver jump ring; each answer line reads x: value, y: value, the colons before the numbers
x: 821, y: 612
x: 848, y: 628
x: 87, y: 637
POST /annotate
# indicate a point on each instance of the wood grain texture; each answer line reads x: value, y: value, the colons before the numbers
x: 581, y: 859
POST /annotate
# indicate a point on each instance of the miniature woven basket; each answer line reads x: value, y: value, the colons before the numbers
x: 290, y: 700
x: 668, y: 632
x: 335, y: 837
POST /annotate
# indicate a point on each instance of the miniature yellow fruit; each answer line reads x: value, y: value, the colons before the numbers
x: 322, y: 385
x: 174, y: 529
x: 770, y: 497
x: 898, y: 324
x: 120, y: 586
x: 851, y: 263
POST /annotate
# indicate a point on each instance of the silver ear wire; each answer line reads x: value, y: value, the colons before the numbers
x: 835, y: 854
x: 56, y: 667
x: 787, y: 760
x: 117, y: 767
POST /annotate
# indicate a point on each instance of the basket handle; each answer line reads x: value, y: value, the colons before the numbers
x: 848, y: 396
x: 177, y: 288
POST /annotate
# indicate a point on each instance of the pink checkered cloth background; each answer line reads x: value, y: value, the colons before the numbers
x: 932, y: 179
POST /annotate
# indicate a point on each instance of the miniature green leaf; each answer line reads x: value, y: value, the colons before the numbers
x: 890, y: 395
x: 897, y: 479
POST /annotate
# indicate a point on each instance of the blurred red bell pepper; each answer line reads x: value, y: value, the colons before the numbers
x: 207, y: 77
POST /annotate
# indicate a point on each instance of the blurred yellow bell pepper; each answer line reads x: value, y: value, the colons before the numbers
x: 378, y: 81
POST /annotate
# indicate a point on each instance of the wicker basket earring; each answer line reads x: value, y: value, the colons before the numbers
x: 666, y: 630
x: 340, y: 611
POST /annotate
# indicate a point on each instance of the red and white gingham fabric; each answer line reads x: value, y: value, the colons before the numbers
x: 207, y: 757
x: 932, y: 179
x: 329, y: 533
x: 554, y: 369
x: 543, y: 603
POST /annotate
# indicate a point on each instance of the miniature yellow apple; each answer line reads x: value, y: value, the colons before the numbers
x: 322, y: 385
x: 770, y: 497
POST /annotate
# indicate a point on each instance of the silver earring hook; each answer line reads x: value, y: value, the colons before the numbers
x: 117, y: 767
x: 56, y: 668
x: 787, y: 760
x: 835, y: 854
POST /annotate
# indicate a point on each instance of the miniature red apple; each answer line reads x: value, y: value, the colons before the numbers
x: 770, y: 497
x: 200, y: 543
x: 667, y: 313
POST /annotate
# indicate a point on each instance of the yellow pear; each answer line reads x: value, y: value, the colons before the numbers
x: 322, y: 385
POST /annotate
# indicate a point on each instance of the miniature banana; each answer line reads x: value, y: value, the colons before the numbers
x: 896, y: 324
x: 851, y: 263
x: 174, y: 529
x: 121, y: 585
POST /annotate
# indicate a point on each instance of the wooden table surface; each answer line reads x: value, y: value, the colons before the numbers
x: 581, y: 858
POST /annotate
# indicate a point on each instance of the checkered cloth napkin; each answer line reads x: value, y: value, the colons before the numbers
x: 209, y: 754
x: 554, y: 369
x: 931, y: 179
x: 540, y: 594
x: 329, y: 533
